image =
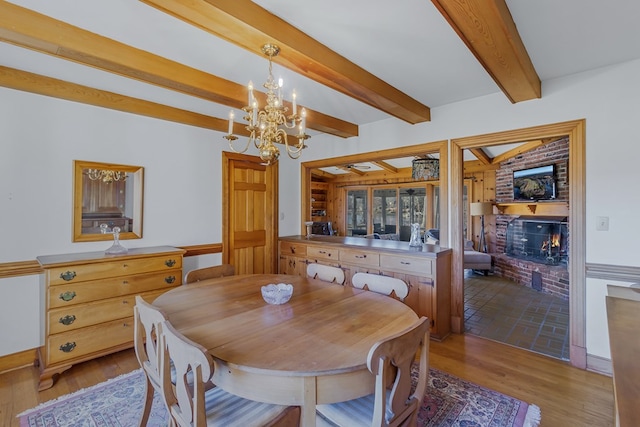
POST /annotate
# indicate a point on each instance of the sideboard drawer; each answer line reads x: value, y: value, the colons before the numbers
x: 319, y: 252
x: 124, y: 267
x: 290, y: 248
x: 81, y: 342
x: 83, y: 292
x: 368, y: 259
x: 78, y: 316
x: 404, y: 264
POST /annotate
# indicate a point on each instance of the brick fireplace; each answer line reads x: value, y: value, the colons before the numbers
x: 533, y: 250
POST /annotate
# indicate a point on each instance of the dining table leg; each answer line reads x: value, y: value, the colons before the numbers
x: 309, y: 399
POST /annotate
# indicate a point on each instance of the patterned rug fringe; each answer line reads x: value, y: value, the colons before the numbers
x: 533, y: 417
x: 77, y: 392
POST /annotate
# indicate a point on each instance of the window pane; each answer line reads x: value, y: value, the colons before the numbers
x: 384, y: 210
x: 413, y: 202
x: 357, y: 212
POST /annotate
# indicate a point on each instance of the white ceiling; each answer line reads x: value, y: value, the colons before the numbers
x: 406, y: 43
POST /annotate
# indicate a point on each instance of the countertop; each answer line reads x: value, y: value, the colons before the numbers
x: 371, y: 244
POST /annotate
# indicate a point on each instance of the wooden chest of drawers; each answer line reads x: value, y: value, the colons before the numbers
x: 89, y: 299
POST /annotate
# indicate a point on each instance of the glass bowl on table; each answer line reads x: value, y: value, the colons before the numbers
x: 277, y: 294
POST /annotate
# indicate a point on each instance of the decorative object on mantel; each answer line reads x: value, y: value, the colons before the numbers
x: 425, y: 169
x: 481, y: 209
x: 116, y: 248
x: 268, y: 126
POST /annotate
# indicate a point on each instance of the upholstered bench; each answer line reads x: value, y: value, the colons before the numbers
x: 476, y: 260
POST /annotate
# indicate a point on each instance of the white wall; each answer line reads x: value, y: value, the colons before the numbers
x: 40, y: 137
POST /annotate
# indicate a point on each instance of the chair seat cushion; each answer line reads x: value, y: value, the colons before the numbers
x: 352, y: 413
x: 226, y: 409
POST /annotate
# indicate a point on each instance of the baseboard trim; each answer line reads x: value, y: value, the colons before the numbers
x: 599, y: 364
x: 14, y: 361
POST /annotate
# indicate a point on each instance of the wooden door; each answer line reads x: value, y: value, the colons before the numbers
x: 250, y: 214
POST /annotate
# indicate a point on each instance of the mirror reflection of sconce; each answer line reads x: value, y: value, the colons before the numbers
x: 107, y: 194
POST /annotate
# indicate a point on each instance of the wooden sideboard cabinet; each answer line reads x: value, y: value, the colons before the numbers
x: 426, y: 272
x: 89, y: 299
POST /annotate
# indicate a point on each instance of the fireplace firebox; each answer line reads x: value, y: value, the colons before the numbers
x: 542, y: 240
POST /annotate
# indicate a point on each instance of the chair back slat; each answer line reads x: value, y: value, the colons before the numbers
x: 393, y: 358
x: 146, y: 321
x: 193, y: 368
x: 326, y: 273
x: 381, y: 284
x: 223, y: 270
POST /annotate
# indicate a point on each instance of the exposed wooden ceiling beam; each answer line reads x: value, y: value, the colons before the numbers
x: 488, y: 30
x: 527, y: 146
x: 351, y: 169
x: 322, y: 174
x: 29, y: 29
x: 246, y: 24
x: 481, y: 156
x: 386, y: 166
x: 55, y: 88
x: 42, y: 85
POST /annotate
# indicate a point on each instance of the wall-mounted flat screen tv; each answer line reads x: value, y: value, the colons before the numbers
x: 538, y: 183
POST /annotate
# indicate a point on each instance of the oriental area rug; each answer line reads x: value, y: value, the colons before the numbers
x: 449, y: 402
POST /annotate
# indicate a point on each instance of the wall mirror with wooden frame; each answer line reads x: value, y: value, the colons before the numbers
x: 106, y: 196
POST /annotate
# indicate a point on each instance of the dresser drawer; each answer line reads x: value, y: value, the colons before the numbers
x: 81, y: 342
x: 403, y: 264
x: 369, y: 259
x: 83, y: 292
x: 290, y: 248
x: 319, y: 252
x: 101, y: 270
x: 79, y: 316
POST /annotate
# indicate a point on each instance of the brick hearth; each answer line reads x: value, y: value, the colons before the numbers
x: 555, y: 279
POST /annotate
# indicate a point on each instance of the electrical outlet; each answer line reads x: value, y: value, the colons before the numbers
x: 602, y: 223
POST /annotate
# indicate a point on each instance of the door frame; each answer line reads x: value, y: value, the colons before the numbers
x: 576, y: 132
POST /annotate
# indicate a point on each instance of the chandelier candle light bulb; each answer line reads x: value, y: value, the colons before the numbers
x: 269, y: 125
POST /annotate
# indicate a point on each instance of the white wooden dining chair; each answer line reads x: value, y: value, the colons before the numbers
x: 147, y: 319
x: 191, y: 406
x: 326, y: 273
x: 222, y: 270
x: 381, y: 284
x: 390, y: 358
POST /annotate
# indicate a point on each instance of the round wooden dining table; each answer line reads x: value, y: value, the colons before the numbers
x: 311, y: 350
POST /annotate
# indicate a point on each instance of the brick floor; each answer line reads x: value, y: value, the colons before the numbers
x: 504, y: 311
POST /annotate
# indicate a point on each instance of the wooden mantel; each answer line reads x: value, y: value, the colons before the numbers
x: 534, y: 208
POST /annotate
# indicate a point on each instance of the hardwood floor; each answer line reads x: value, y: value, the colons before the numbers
x: 565, y: 395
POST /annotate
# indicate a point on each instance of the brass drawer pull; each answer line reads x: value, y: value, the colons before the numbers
x: 170, y: 279
x: 67, y: 320
x: 170, y: 262
x: 322, y: 252
x: 68, y: 275
x: 67, y: 296
x: 361, y: 256
x: 68, y: 347
x: 405, y: 263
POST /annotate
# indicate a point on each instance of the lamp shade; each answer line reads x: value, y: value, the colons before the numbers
x: 481, y: 208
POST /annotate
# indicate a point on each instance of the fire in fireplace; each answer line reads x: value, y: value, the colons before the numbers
x: 542, y: 240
